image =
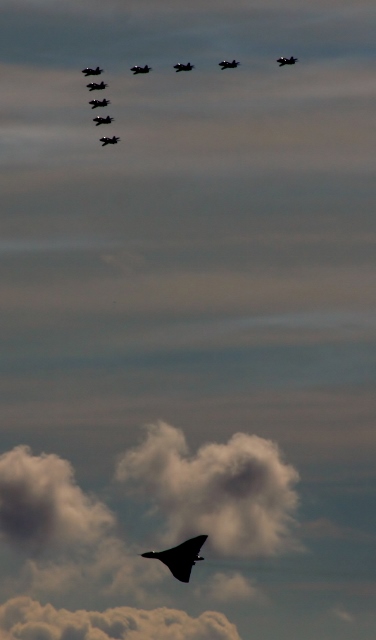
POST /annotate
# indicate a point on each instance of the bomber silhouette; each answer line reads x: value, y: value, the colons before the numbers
x: 180, y: 559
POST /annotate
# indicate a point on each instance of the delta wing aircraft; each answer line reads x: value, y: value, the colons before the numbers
x: 180, y: 559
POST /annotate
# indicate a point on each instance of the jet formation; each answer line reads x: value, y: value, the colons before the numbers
x: 180, y: 559
x: 99, y: 86
x: 136, y: 69
x: 225, y: 64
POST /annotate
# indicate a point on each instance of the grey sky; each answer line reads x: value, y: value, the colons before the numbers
x: 216, y: 271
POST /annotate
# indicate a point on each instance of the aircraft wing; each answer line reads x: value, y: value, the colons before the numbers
x: 191, y: 547
x: 181, y: 559
x: 180, y: 569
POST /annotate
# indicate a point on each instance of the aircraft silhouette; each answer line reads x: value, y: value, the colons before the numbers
x: 105, y: 140
x: 99, y: 103
x: 180, y: 559
x: 282, y: 61
x: 183, y: 67
x: 228, y: 65
x: 92, y: 72
x: 94, y: 85
x: 136, y: 69
x: 98, y: 120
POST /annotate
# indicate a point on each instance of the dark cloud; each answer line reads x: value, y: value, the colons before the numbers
x: 40, y: 503
x: 240, y: 493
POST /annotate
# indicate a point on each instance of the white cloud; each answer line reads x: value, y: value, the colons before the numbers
x: 26, y: 619
x: 41, y: 505
x: 240, y: 493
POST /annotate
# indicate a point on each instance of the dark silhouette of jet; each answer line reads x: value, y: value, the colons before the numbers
x: 180, y: 559
x: 98, y: 120
x: 99, y: 103
x: 136, y: 69
x: 105, y: 140
x: 183, y: 67
x: 228, y: 65
x: 282, y: 61
x: 92, y: 86
x: 92, y: 72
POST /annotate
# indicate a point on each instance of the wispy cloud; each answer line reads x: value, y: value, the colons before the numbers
x: 59, y: 244
x: 341, y: 613
x: 326, y: 528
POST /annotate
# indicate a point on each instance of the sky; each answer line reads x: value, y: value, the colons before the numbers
x: 188, y: 320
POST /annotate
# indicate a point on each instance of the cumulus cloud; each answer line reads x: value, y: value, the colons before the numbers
x: 27, y: 619
x: 240, y: 493
x: 41, y: 505
x: 114, y: 570
x: 67, y: 536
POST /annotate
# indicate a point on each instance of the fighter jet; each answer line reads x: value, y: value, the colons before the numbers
x: 105, y: 140
x: 92, y: 72
x: 183, y: 67
x: 136, y: 69
x: 99, y: 103
x: 180, y: 559
x: 282, y: 61
x: 228, y: 65
x: 92, y: 86
x: 98, y: 120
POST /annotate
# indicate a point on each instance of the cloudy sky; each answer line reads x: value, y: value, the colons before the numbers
x: 188, y: 320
